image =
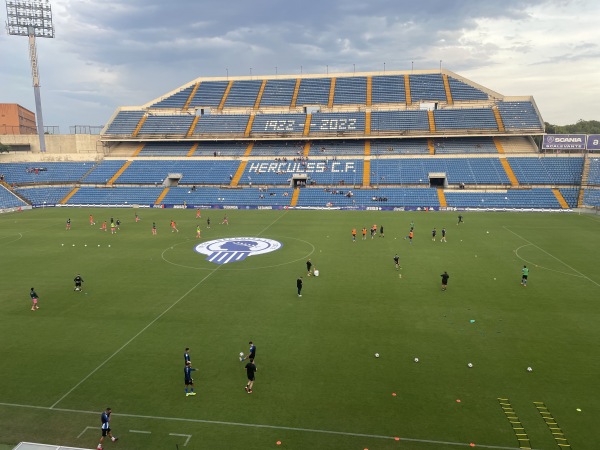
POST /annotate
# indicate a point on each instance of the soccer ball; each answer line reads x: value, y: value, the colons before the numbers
x: 529, y: 369
x: 416, y: 359
x: 241, y: 354
x: 376, y: 355
x: 470, y: 365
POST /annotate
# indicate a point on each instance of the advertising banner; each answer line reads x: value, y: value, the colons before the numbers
x: 564, y: 142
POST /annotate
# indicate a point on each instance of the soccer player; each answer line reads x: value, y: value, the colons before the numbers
x: 68, y: 224
x: 299, y: 286
x: 34, y: 299
x: 225, y: 220
x: 381, y: 231
x: 397, y: 261
x: 524, y: 275
x: 105, y: 428
x: 198, y: 232
x: 92, y: 220
x: 443, y: 239
x: 373, y: 230
x: 113, y: 227
x: 137, y: 218
x: 189, y: 381
x: 308, y: 266
x: 410, y: 236
x: 353, y: 234
x: 251, y: 353
x: 250, y: 371
x: 433, y: 233
x: 186, y: 355
x: 445, y: 277
x: 173, y: 226
x: 78, y: 280
x: 198, y: 214
x: 103, y: 227
x: 459, y: 219
x: 154, y: 228
x: 364, y: 233
x: 208, y: 222
x: 118, y: 222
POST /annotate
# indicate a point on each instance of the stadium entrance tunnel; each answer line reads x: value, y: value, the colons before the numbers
x: 172, y: 179
x: 299, y: 180
x: 438, y: 179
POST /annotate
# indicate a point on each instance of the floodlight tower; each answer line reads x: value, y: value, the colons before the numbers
x: 32, y: 18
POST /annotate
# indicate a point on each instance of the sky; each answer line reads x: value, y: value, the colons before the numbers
x: 113, y: 53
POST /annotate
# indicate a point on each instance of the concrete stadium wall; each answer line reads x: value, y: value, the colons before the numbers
x: 87, y: 145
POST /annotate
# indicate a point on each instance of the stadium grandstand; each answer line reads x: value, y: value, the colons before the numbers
x: 394, y: 140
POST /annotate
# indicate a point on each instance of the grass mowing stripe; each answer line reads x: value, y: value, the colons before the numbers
x: 272, y: 427
x: 133, y: 338
x: 552, y: 256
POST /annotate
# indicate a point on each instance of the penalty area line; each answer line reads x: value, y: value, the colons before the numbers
x: 132, y: 339
x: 552, y: 256
x: 271, y: 427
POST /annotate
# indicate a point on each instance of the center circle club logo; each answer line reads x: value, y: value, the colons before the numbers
x: 228, y: 250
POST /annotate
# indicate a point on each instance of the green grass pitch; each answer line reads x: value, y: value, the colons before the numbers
x: 120, y: 342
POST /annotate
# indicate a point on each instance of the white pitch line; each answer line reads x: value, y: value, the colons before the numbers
x: 132, y: 339
x: 140, y: 431
x: 552, y: 256
x: 147, y: 326
x: 84, y: 430
x: 189, y: 436
x: 271, y: 427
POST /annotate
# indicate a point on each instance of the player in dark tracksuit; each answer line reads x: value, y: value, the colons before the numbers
x: 299, y: 286
x: 189, y: 381
x: 78, y: 280
x: 250, y: 370
x: 445, y: 277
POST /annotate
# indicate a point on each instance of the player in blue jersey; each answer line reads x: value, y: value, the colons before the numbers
x: 189, y: 381
x: 105, y: 428
x: 186, y: 355
x: 251, y: 353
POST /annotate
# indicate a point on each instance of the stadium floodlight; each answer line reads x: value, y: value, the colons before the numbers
x: 32, y: 18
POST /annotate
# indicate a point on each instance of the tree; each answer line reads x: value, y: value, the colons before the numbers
x: 581, y: 127
x: 4, y: 148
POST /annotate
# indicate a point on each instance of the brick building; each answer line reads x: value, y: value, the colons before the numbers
x: 14, y: 119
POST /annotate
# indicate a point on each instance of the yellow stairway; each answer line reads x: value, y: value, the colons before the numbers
x: 431, y: 121
x: 119, y: 172
x: 499, y: 119
x: 447, y: 89
x: 68, y: 196
x: 192, y: 94
x: 161, y: 196
x: 509, y: 172
x: 560, y: 198
x: 407, y: 90
x: 295, y: 196
x: 441, y: 197
x: 238, y: 174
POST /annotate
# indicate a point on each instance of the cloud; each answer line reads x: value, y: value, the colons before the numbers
x: 126, y: 52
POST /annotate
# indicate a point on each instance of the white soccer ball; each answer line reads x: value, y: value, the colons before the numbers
x: 376, y: 355
x: 470, y: 365
x: 241, y: 354
x: 487, y: 232
x: 529, y: 369
x: 416, y: 359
